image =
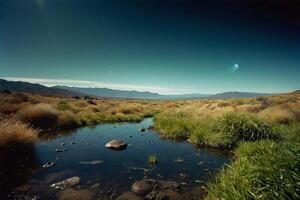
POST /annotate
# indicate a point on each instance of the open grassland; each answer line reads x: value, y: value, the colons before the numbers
x: 43, y: 112
x: 263, y: 133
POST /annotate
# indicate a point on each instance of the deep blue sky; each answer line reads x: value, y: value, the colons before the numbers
x: 182, y: 45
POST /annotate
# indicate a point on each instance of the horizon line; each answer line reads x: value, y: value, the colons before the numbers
x: 118, y: 86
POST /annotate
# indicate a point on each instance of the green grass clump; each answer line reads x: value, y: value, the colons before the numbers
x: 289, y: 132
x: 152, y: 159
x: 263, y: 170
x: 243, y: 127
x: 63, y: 106
x: 226, y: 131
x: 42, y: 116
x: 177, y: 125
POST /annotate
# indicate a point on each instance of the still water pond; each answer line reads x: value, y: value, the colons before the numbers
x: 110, y: 172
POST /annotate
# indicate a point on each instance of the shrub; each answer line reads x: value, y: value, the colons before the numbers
x: 263, y: 170
x: 40, y: 116
x: 15, y: 132
x: 243, y: 127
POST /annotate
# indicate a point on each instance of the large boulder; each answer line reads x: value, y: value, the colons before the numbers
x: 116, y: 145
x: 143, y: 187
x: 67, y: 183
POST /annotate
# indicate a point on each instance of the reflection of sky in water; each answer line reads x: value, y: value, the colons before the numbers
x: 123, y: 167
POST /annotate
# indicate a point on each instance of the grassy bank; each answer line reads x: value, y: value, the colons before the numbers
x: 23, y: 115
x: 263, y: 170
x: 52, y: 113
x: 223, y: 132
x: 263, y: 133
x: 267, y: 156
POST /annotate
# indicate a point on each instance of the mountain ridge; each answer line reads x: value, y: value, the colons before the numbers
x: 20, y: 86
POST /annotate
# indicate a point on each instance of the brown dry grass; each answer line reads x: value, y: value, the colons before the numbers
x: 15, y: 132
x: 279, y: 114
x: 64, y: 112
x: 40, y: 115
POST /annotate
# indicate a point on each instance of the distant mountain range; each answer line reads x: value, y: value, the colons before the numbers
x: 19, y: 86
x: 237, y: 94
x: 110, y: 93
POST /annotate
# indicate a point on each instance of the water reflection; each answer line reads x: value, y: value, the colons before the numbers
x: 112, y: 172
x: 17, y: 164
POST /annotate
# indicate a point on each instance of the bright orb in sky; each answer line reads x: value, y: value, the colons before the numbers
x: 235, y: 67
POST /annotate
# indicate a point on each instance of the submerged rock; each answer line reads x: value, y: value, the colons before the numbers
x: 94, y: 162
x: 142, y: 129
x: 143, y: 187
x: 163, y: 195
x: 168, y: 185
x: 72, y: 194
x: 67, y: 183
x: 129, y: 196
x: 61, y: 150
x: 179, y: 160
x: 116, y: 145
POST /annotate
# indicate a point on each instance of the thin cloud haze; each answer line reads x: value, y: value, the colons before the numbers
x: 95, y: 84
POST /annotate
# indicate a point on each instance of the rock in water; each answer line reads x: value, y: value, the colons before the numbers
x: 67, y: 183
x: 142, y: 129
x: 143, y: 187
x: 116, y: 145
x: 71, y: 194
x: 129, y: 196
x: 94, y: 162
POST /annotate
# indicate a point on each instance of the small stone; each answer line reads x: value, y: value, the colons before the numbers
x: 61, y: 150
x: 179, y: 160
x: 200, y: 163
x: 48, y: 164
x: 94, y: 162
x: 95, y: 185
x: 67, y: 183
x: 129, y: 196
x: 72, y: 194
x: 142, y: 129
x: 116, y: 145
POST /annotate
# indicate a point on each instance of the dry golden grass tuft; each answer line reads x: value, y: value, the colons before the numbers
x: 39, y: 116
x: 67, y: 120
x: 15, y: 132
x: 278, y: 114
x: 249, y: 108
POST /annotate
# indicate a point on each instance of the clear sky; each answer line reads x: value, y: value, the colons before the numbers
x: 166, y: 46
